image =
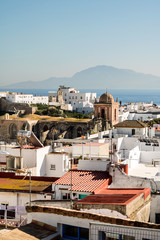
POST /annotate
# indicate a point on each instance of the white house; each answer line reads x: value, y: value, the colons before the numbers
x: 26, y: 98
x: 3, y: 94
x: 80, y: 102
x: 57, y: 164
x: 16, y: 191
x: 39, y: 160
x: 131, y: 128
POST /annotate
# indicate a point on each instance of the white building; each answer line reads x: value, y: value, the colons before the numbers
x: 3, y: 94
x: 75, y: 224
x: 15, y: 193
x: 81, y: 102
x: 130, y: 128
x: 57, y: 164
x: 26, y: 98
x: 139, y: 111
x: 39, y: 160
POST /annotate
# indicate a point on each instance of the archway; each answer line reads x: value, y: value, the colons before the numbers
x: 13, y: 131
x: 79, y: 132
x: 25, y: 126
x: 102, y: 113
x: 45, y: 128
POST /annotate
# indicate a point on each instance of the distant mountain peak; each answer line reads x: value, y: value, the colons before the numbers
x: 98, y: 77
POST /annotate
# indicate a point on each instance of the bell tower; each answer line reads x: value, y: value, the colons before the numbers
x: 107, y: 109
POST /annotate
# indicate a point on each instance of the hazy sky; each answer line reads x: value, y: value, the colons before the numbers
x: 44, y: 38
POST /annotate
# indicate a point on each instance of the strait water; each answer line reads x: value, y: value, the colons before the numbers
x: 123, y: 95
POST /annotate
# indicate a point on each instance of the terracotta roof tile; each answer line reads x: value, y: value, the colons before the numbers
x: 130, y: 124
x: 84, y: 181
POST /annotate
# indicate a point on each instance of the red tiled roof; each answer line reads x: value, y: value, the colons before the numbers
x: 115, y: 196
x: 130, y: 124
x: 84, y: 181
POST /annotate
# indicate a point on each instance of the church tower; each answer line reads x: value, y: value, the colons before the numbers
x: 107, y: 109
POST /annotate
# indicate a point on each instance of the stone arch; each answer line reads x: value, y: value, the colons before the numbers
x: 13, y: 130
x: 25, y: 126
x: 79, y: 132
x: 34, y: 128
x: 45, y: 128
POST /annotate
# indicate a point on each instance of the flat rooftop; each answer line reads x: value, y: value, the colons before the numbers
x: 144, y: 170
x: 115, y: 196
x: 8, y: 184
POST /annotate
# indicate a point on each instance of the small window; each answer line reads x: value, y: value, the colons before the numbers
x: 53, y: 167
x: 157, y: 216
x: 133, y: 131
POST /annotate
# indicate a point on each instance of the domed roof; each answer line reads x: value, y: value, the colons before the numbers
x: 106, y: 98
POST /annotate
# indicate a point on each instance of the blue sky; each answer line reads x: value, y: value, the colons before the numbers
x: 44, y: 38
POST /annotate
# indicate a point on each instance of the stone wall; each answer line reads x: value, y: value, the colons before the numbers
x: 91, y: 216
x: 46, y: 130
x: 15, y: 107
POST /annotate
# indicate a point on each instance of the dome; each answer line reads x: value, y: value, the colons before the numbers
x: 106, y: 98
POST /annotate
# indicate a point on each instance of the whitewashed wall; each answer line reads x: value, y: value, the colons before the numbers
x: 61, y: 162
x: 93, y: 165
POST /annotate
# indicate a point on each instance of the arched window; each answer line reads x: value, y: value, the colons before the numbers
x: 25, y: 126
x: 13, y: 131
x: 115, y: 114
x: 79, y: 132
x: 45, y: 128
x: 102, y: 113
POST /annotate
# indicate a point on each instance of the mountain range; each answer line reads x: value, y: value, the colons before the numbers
x: 98, y: 77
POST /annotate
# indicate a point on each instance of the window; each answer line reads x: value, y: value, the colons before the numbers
x: 66, y: 196
x: 81, y: 196
x: 73, y: 232
x: 157, y: 218
x: 115, y: 114
x: 53, y: 167
x: 133, y: 131
x: 10, y: 212
x: 116, y: 236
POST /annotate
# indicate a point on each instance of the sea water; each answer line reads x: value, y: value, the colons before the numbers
x: 125, y: 96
